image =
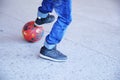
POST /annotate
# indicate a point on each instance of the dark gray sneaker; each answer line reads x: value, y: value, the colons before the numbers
x: 52, y: 54
x: 48, y: 19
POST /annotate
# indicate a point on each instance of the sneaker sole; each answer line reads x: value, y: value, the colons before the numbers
x: 51, y: 59
x: 42, y: 23
x: 38, y: 25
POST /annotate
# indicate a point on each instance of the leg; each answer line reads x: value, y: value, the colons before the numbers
x: 49, y: 51
x: 64, y: 18
x: 43, y: 15
x: 47, y: 6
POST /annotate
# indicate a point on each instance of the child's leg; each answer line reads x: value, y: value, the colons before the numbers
x: 64, y: 19
x: 49, y: 50
x: 43, y: 15
x: 46, y: 8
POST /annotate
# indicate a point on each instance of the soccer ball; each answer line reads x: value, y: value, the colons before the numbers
x: 32, y: 33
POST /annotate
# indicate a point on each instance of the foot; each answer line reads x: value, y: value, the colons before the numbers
x: 52, y: 54
x: 48, y: 19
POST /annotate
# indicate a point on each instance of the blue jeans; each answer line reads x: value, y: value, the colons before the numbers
x: 63, y: 9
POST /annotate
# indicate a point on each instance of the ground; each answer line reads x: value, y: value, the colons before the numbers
x: 91, y: 42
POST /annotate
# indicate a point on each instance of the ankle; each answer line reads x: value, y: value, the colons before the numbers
x: 48, y: 46
x: 42, y: 15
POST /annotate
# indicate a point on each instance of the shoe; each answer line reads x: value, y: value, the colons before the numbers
x: 52, y: 54
x: 48, y: 19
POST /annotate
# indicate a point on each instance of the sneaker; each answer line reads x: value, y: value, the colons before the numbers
x: 48, y: 19
x: 52, y: 54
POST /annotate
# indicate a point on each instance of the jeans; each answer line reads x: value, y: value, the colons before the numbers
x: 63, y: 9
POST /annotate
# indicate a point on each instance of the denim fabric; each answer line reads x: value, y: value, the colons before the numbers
x: 42, y: 15
x: 63, y: 9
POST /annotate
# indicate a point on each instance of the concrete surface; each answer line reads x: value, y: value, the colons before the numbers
x: 92, y: 43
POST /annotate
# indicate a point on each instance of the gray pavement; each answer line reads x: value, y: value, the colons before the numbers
x: 92, y: 43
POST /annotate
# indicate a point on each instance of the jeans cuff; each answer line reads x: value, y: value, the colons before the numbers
x: 42, y: 15
x: 48, y: 46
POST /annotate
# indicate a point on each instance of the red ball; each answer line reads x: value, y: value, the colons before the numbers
x: 32, y: 33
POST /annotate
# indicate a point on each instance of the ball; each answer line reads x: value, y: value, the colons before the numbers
x: 32, y: 33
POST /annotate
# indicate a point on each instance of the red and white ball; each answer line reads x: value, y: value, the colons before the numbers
x: 32, y: 33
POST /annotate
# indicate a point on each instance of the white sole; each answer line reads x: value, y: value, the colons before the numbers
x: 51, y: 59
x: 37, y: 25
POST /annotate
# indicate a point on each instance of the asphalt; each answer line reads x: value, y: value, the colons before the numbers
x: 91, y: 42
